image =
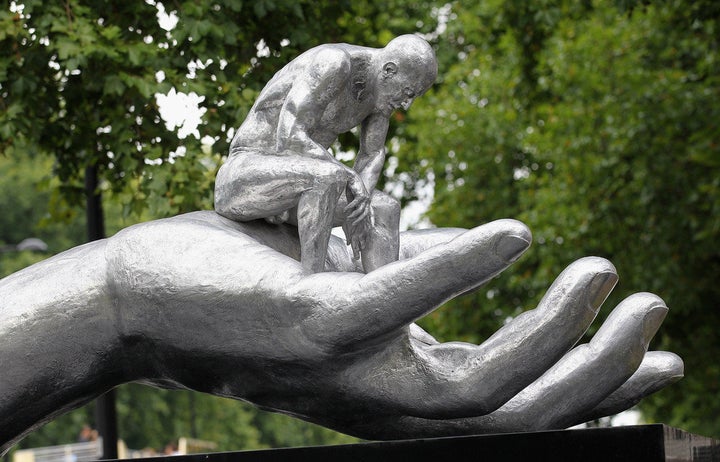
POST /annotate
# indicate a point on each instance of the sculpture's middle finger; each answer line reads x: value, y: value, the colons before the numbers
x: 487, y: 376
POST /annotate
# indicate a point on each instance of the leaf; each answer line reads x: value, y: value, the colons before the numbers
x: 110, y: 32
x: 114, y: 85
x: 67, y: 48
x: 259, y: 9
x: 23, y: 85
x: 135, y: 55
x: 235, y: 5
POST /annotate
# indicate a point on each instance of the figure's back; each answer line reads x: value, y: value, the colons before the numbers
x: 258, y: 130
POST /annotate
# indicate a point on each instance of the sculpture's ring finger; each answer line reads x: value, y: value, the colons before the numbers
x: 589, y: 373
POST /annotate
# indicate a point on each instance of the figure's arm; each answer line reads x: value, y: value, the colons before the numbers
x: 312, y: 91
x: 371, y: 155
x: 368, y: 165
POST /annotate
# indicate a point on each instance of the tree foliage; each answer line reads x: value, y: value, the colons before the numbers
x: 24, y: 199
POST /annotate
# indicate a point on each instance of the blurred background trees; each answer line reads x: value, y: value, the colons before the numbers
x: 594, y: 122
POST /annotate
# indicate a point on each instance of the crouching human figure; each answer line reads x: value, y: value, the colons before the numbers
x: 279, y: 167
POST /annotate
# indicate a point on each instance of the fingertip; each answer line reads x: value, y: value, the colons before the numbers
x: 509, y: 247
x: 633, y: 322
x: 653, y: 319
x: 593, y: 265
x: 515, y: 228
x: 646, y: 299
x: 600, y: 287
x: 514, y: 238
x: 644, y: 306
x: 659, y: 370
x: 666, y: 363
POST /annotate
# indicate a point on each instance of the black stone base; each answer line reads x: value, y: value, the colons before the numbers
x: 642, y: 443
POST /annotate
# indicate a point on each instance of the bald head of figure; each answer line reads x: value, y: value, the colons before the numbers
x: 408, y: 69
x: 414, y: 56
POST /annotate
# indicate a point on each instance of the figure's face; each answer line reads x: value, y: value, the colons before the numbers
x: 397, y: 89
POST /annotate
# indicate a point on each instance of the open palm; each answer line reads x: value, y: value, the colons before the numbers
x: 205, y: 303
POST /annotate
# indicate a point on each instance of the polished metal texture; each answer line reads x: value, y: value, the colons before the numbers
x: 280, y: 169
x: 260, y: 303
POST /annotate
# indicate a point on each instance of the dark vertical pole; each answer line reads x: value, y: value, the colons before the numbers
x: 94, y: 210
x: 193, y: 416
x: 105, y: 415
x: 106, y: 421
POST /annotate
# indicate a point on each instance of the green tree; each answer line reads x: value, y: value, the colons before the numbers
x: 25, y: 191
x: 153, y: 418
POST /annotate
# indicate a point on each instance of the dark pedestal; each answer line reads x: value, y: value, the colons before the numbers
x: 642, y: 443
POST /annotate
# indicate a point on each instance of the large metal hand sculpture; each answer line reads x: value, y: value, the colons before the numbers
x: 202, y: 302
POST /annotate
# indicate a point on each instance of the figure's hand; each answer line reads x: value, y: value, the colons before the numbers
x: 358, y: 213
x: 340, y: 349
x: 358, y: 207
x: 357, y: 235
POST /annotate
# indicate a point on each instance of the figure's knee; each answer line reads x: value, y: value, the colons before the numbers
x: 330, y: 177
x: 225, y: 206
x: 229, y: 198
x: 385, y: 207
x: 222, y: 193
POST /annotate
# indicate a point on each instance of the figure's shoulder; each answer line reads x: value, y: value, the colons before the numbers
x: 330, y: 59
x: 337, y: 52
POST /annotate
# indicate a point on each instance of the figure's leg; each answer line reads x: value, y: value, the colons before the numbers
x: 315, y: 212
x: 383, y: 242
x: 411, y: 242
x: 251, y: 186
